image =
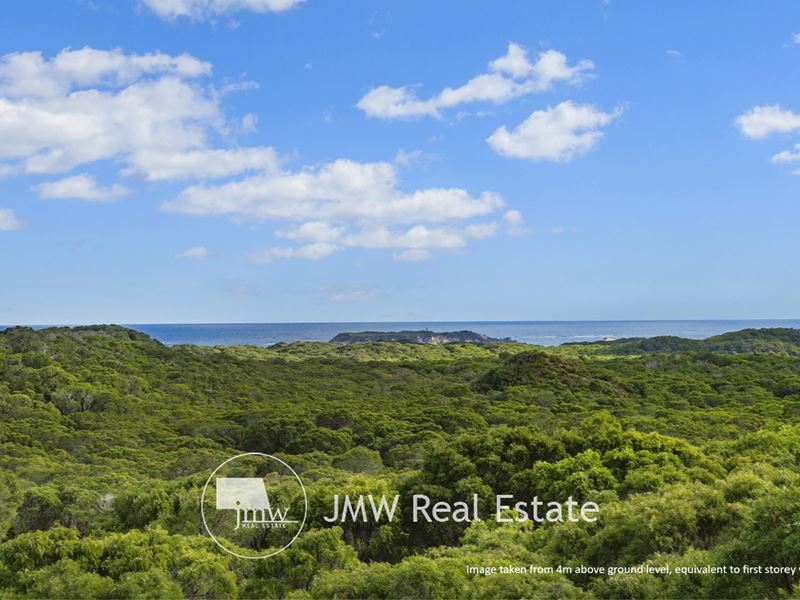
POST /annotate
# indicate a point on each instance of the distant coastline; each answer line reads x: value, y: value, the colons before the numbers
x: 423, y: 336
x: 543, y: 333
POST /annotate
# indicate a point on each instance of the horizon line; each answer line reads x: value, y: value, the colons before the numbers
x: 478, y: 321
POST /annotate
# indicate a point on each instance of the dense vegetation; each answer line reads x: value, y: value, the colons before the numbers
x: 775, y: 341
x: 692, y: 449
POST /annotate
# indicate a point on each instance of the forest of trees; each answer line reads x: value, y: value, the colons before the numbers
x: 692, y: 450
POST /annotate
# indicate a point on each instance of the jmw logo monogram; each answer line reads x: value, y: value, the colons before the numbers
x: 248, y: 497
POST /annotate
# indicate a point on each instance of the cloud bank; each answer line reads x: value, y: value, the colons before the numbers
x: 345, y: 204
x: 158, y: 118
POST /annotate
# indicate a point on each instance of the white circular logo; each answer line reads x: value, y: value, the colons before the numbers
x: 254, y: 505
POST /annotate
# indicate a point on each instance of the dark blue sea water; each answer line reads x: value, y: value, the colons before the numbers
x: 545, y: 333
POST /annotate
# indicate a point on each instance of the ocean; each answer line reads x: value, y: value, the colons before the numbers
x: 544, y: 333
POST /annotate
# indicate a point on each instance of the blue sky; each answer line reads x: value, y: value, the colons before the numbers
x: 275, y: 160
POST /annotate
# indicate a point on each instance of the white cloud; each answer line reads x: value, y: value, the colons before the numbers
x: 195, y: 253
x: 510, y: 76
x: 558, y: 133
x: 480, y: 231
x: 515, y: 62
x: 80, y: 187
x: 207, y: 9
x: 396, y: 103
x: 313, y: 231
x: 514, y: 222
x: 513, y: 217
x: 249, y: 122
x: 414, y: 243
x: 29, y: 74
x: 406, y: 158
x: 201, y: 164
x: 787, y: 156
x: 9, y: 220
x: 796, y: 38
x: 314, y: 251
x: 761, y: 121
x: 418, y: 237
x: 551, y: 66
x: 339, y: 190
x: 88, y: 105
